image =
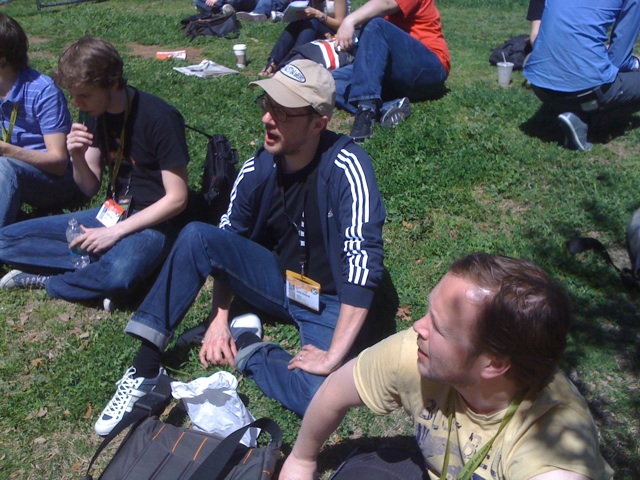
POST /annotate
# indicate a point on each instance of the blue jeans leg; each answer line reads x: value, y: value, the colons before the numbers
x: 267, y: 6
x: 250, y: 270
x: 297, y: 33
x: 342, y: 78
x: 20, y: 182
x: 390, y: 64
x: 40, y: 245
x: 268, y: 366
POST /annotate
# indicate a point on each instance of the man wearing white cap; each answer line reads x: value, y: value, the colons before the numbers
x: 301, y: 240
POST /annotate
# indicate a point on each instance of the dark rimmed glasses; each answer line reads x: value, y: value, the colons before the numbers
x: 277, y: 112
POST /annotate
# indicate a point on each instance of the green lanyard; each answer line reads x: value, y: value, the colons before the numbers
x: 6, y: 134
x: 114, y: 167
x: 474, y: 463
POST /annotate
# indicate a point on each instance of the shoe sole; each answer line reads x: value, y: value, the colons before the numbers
x: 7, y: 281
x: 247, y: 17
x: 570, y: 133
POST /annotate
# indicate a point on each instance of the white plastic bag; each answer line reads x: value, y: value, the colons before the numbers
x: 205, y: 69
x: 214, y: 406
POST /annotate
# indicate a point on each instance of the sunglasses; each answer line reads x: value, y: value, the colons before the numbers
x: 278, y: 112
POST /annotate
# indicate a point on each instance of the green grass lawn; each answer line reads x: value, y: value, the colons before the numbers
x: 479, y: 169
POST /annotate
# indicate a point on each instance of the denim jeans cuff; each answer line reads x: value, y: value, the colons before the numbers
x: 363, y: 98
x: 143, y: 330
x: 243, y: 355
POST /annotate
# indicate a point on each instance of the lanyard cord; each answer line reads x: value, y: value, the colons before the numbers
x: 114, y: 167
x: 6, y: 134
x: 474, y: 463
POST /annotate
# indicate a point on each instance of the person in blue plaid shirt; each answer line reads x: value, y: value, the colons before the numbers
x: 34, y: 164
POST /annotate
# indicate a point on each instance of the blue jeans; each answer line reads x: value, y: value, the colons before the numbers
x: 267, y: 6
x: 21, y: 182
x: 389, y: 64
x: 40, y: 245
x: 202, y: 7
x: 253, y: 274
x: 297, y: 33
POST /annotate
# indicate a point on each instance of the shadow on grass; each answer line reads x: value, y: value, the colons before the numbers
x: 606, y: 326
x: 544, y: 126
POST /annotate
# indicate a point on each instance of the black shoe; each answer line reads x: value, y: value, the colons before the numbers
x: 575, y: 132
x: 192, y: 337
x: 363, y: 124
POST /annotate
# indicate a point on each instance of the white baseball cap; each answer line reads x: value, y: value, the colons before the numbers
x: 302, y: 83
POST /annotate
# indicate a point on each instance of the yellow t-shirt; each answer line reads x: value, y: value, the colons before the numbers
x: 549, y: 431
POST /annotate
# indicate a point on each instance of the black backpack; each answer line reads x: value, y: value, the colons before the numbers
x: 514, y: 50
x: 159, y: 450
x: 211, y: 24
x: 218, y: 176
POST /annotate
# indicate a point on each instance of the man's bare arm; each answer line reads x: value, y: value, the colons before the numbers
x: 52, y: 161
x: 330, y: 404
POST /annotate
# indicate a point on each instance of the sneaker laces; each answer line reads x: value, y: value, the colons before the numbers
x: 121, y: 398
x: 34, y: 280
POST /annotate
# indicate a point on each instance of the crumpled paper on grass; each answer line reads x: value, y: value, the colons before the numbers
x: 205, y: 69
x: 214, y: 406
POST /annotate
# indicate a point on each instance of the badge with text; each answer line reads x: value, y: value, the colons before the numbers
x: 303, y: 290
x: 110, y: 213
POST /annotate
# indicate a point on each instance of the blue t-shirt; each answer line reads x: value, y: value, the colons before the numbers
x: 573, y: 51
x: 42, y: 110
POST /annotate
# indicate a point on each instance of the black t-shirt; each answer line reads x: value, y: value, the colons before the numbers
x: 154, y: 141
x: 297, y: 192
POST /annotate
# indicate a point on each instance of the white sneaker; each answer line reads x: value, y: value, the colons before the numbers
x: 245, y: 323
x: 399, y: 111
x: 129, y: 391
x: 227, y: 9
x: 276, y: 16
x: 107, y: 304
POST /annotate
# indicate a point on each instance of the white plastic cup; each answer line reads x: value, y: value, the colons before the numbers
x: 504, y: 73
x: 240, y: 51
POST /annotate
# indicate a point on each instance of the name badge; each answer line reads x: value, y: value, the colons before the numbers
x: 303, y: 290
x: 110, y: 213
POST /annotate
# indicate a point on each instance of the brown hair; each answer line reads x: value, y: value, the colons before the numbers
x: 13, y: 44
x: 90, y: 62
x: 526, y: 315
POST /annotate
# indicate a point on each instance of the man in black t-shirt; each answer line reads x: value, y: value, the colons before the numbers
x: 139, y: 140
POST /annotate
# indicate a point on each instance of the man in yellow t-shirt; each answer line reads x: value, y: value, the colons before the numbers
x: 478, y: 375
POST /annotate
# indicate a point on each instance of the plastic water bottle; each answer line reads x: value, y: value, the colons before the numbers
x: 79, y: 256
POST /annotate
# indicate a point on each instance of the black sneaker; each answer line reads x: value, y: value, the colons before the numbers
x: 575, y: 132
x: 363, y: 124
x: 19, y: 279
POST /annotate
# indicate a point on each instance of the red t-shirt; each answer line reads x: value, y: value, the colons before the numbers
x: 421, y: 20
